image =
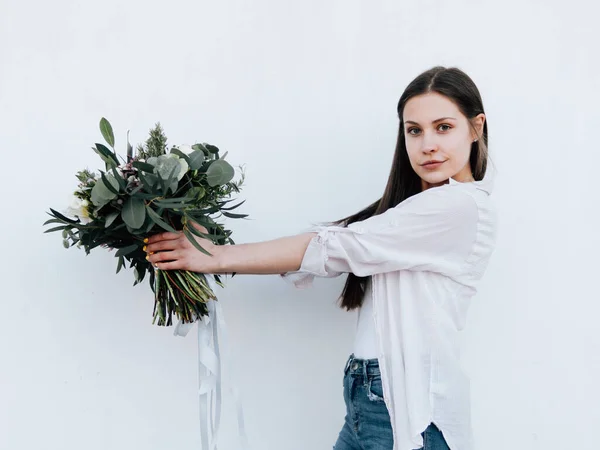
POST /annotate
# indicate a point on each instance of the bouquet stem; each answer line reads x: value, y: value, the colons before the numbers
x: 180, y: 293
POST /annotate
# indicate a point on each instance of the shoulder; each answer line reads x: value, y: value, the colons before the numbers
x: 449, y: 199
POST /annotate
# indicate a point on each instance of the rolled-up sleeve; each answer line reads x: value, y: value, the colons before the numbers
x: 431, y: 231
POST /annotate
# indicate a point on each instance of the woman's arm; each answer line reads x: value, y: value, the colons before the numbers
x: 173, y: 251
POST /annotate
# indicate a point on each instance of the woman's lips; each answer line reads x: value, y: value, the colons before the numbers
x: 433, y: 165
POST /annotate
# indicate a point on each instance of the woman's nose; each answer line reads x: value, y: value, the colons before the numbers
x: 428, y: 147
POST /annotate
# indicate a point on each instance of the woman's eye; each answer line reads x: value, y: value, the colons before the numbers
x: 445, y: 125
x: 410, y: 131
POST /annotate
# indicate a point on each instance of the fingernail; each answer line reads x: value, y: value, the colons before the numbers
x: 145, y: 240
x: 145, y: 247
x: 152, y: 253
x: 148, y: 257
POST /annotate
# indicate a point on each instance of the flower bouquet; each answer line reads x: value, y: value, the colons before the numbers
x: 154, y: 190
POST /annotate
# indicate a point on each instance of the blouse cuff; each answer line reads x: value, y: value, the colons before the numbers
x: 314, y: 262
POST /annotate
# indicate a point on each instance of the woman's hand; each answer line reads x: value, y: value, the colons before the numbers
x: 173, y: 251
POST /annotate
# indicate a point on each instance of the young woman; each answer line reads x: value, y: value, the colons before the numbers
x: 413, y: 260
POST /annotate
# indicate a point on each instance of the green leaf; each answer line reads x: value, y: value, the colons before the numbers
x: 107, y: 132
x: 219, y: 173
x: 134, y: 212
x: 110, y: 184
x: 150, y: 182
x: 120, y: 264
x: 199, y: 233
x: 129, y: 147
x: 196, y: 159
x: 101, y: 194
x: 158, y: 220
x: 172, y: 180
x: 234, y: 216
x: 61, y: 217
x: 119, y: 179
x: 196, y: 193
x: 143, y: 166
x: 191, y: 238
x: 229, y: 208
x: 212, y: 148
x: 177, y: 204
x: 52, y: 221
x: 110, y: 218
x: 182, y: 155
x: 200, y: 219
x: 127, y: 250
x: 56, y: 229
x: 108, y: 156
x: 201, y: 148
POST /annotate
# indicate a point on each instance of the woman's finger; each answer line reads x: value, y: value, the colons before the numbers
x: 173, y: 265
x: 161, y: 246
x: 199, y: 227
x: 166, y: 236
x: 172, y: 255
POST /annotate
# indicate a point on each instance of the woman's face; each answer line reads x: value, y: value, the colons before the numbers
x: 436, y: 130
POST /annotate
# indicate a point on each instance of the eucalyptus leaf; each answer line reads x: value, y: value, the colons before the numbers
x: 201, y: 234
x: 159, y: 221
x: 129, y: 147
x: 143, y: 166
x: 149, y: 181
x: 172, y: 181
x: 101, y: 194
x: 202, y: 148
x: 62, y: 227
x: 219, y: 173
x: 197, y: 193
x: 110, y: 162
x: 165, y: 166
x: 212, y: 148
x: 52, y: 221
x: 62, y: 217
x: 120, y: 264
x: 107, y: 153
x: 171, y: 205
x: 107, y: 132
x: 233, y: 216
x: 127, y: 250
x: 109, y: 184
x: 229, y: 208
x: 119, y: 178
x: 134, y: 212
x: 194, y: 242
x: 110, y: 218
x: 196, y: 158
x: 182, y: 155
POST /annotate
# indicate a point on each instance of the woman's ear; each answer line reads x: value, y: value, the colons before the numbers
x: 478, y: 122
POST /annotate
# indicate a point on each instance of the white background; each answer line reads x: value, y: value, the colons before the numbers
x: 304, y: 94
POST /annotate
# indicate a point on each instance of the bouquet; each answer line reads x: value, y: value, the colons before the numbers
x: 118, y: 207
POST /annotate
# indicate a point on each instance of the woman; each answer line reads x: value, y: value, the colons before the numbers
x: 413, y: 260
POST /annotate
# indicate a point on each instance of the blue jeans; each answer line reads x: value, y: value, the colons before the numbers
x: 367, y: 424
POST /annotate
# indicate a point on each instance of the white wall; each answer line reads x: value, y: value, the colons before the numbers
x: 303, y: 93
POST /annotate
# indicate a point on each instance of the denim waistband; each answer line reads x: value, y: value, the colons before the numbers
x: 357, y: 366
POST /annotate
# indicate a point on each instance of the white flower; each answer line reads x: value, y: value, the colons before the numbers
x: 78, y: 208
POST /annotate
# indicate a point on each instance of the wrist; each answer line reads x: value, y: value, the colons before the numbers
x: 218, y: 264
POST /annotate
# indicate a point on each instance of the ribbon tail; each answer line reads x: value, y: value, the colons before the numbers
x: 212, y: 330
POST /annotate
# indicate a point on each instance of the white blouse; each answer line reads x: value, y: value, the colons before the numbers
x: 425, y: 257
x: 365, y: 341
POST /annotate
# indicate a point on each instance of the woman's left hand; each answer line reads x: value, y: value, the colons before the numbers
x: 173, y: 251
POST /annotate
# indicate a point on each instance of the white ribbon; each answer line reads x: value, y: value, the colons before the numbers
x: 212, y: 334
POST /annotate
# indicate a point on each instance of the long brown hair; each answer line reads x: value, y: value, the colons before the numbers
x: 403, y: 181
